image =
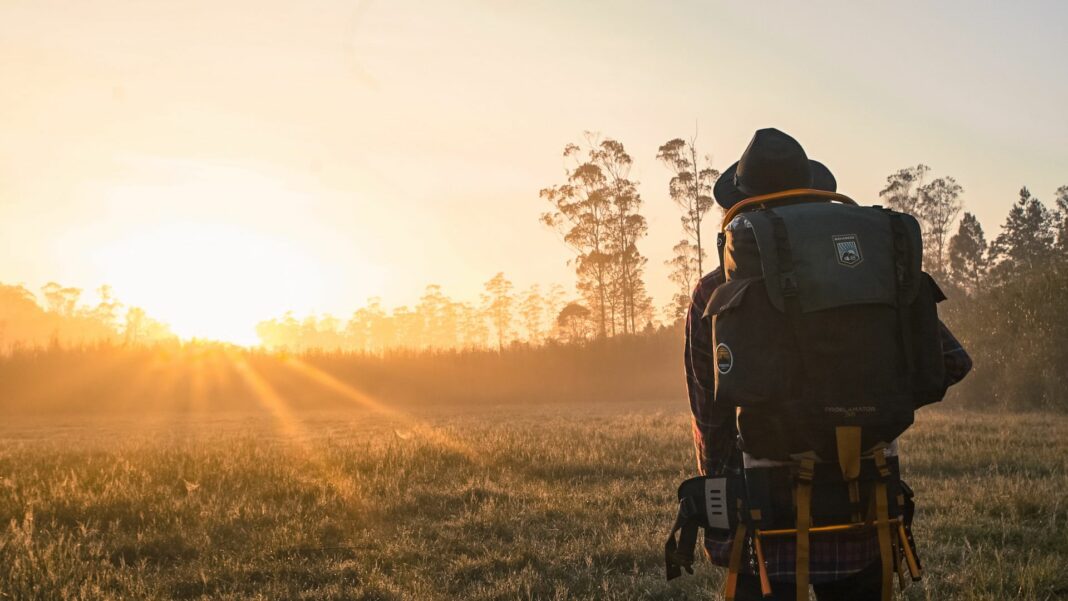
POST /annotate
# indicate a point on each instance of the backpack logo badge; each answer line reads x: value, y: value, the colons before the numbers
x: 847, y: 250
x: 724, y: 358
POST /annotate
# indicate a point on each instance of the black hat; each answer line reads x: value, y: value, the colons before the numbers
x: 773, y: 162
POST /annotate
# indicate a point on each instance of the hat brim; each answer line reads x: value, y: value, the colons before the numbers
x: 727, y: 193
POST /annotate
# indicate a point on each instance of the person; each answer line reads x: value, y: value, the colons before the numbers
x: 841, y: 565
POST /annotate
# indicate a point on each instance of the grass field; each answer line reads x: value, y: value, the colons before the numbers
x: 548, y: 502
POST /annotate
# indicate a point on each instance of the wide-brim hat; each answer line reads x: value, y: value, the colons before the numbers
x: 772, y: 162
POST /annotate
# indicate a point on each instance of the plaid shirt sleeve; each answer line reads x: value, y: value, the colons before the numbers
x: 714, y: 431
x: 958, y: 362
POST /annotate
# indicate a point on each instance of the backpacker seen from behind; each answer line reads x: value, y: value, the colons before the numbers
x: 826, y: 340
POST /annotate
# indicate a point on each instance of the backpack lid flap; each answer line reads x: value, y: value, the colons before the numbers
x: 842, y: 255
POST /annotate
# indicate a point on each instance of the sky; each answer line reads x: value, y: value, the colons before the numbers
x: 221, y: 162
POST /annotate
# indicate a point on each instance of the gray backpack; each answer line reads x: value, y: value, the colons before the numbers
x: 825, y: 320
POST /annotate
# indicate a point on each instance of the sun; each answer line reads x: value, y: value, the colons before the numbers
x: 211, y: 280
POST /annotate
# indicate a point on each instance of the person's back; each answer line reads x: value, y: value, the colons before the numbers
x: 802, y: 368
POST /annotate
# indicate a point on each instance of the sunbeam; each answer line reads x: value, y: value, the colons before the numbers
x: 292, y: 431
x: 427, y: 432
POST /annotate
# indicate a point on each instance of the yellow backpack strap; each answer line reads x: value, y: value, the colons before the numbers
x: 735, y: 562
x: 762, y: 569
x: 915, y: 570
x: 848, y: 439
x: 804, y: 521
x: 899, y: 561
x: 882, y: 521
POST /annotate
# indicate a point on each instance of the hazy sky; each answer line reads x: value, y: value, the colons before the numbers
x: 219, y: 162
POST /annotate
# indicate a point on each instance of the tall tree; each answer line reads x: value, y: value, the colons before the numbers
x: 574, y: 323
x: 498, y: 302
x: 690, y: 187
x: 627, y: 226
x: 685, y: 271
x: 902, y: 189
x: 473, y: 326
x: 60, y: 299
x: 440, y: 318
x: 407, y: 326
x: 1027, y: 239
x: 968, y: 254
x: 939, y: 205
x: 597, y: 211
x: 581, y: 212
x: 1062, y: 224
x: 531, y: 309
x: 555, y: 299
x: 140, y: 328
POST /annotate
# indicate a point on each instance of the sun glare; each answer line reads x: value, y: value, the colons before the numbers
x: 211, y: 280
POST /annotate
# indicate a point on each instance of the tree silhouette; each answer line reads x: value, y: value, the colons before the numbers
x: 554, y: 301
x: 597, y: 211
x: 690, y: 188
x: 902, y: 189
x: 685, y: 272
x: 61, y: 300
x: 1027, y: 238
x: 531, y: 308
x: 939, y: 205
x: 473, y: 325
x: 968, y: 254
x: 574, y: 323
x: 440, y: 318
x: 934, y: 204
x: 1061, y: 214
x: 498, y: 302
x: 627, y: 227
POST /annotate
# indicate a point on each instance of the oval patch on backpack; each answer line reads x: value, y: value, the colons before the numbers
x: 724, y: 358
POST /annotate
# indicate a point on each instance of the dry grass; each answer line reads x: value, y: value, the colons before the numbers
x: 552, y: 502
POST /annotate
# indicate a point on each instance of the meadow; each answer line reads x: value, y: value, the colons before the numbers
x: 546, y: 501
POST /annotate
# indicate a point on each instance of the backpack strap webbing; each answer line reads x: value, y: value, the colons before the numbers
x: 788, y: 286
x: 899, y: 560
x: 902, y: 284
x: 762, y: 568
x: 848, y: 439
x: 804, y: 521
x: 735, y: 563
x: 882, y: 522
x: 913, y: 562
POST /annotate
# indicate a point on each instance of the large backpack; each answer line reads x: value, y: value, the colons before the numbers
x: 825, y: 320
x: 826, y: 339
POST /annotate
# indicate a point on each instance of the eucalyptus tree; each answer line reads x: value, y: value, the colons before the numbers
x: 597, y: 211
x: 691, y: 190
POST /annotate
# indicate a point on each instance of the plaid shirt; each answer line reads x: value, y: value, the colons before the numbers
x: 833, y: 556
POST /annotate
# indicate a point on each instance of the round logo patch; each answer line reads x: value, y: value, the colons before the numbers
x: 724, y: 358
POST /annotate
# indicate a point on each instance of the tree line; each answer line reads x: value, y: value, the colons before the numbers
x: 597, y: 212
x: 1006, y: 291
x: 1015, y: 281
x: 500, y: 317
x: 1006, y: 295
x: 59, y: 317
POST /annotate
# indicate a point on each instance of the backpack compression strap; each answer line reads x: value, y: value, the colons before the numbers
x: 848, y: 442
x: 804, y: 520
x: 735, y: 563
x: 882, y: 522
